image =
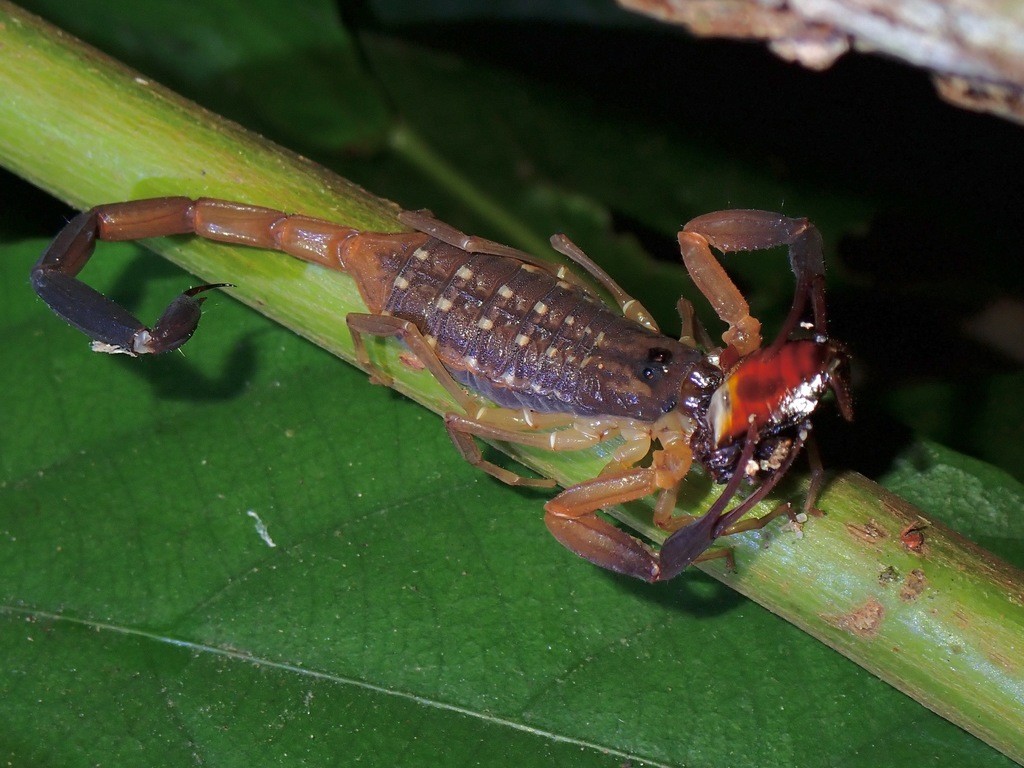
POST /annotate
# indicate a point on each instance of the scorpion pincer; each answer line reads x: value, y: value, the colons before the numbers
x: 533, y: 356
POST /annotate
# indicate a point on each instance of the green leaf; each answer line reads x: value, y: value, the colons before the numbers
x: 411, y: 609
x: 405, y: 596
x: 984, y: 503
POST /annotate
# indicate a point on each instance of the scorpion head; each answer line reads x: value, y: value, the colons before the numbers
x: 635, y: 373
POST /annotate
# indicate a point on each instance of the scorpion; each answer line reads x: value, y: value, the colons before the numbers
x: 533, y: 356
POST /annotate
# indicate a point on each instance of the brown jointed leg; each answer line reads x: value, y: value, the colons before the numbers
x: 630, y: 306
x: 388, y: 326
x: 423, y: 221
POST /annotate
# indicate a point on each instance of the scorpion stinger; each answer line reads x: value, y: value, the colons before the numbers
x: 111, y: 327
x: 531, y: 355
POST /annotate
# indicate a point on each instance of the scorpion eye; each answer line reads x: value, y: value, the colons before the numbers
x: 660, y: 357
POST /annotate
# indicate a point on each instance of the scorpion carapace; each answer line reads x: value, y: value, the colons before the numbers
x: 532, y: 356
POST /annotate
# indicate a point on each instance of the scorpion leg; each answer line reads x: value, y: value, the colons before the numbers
x: 746, y: 230
x: 508, y: 425
x: 470, y: 451
x: 423, y: 221
x: 690, y: 544
x: 522, y: 428
x: 572, y: 520
x: 112, y: 328
x: 630, y: 306
x: 580, y: 530
x: 387, y: 326
x: 571, y: 516
x: 693, y: 332
x: 494, y: 423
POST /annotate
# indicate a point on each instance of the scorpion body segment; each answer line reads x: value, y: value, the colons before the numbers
x: 524, y: 338
x: 562, y: 369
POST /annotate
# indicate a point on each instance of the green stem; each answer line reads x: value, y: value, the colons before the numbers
x: 942, y: 622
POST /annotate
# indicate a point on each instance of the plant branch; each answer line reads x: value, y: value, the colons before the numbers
x: 971, y: 47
